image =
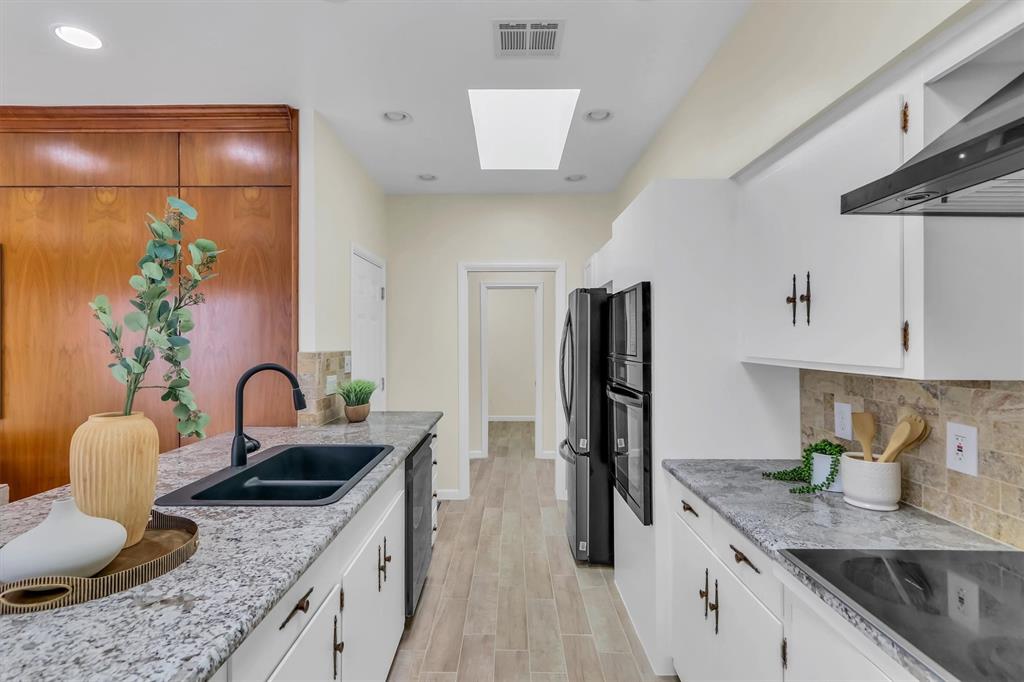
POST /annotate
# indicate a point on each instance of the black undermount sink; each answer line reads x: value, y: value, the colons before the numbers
x: 283, y: 476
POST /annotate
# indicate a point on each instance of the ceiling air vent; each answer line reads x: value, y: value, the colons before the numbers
x: 528, y: 38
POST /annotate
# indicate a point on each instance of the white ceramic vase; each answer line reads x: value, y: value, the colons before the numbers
x: 66, y: 543
x: 820, y: 466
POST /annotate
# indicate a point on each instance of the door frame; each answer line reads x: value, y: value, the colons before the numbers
x: 358, y: 251
x: 464, y: 268
x: 538, y: 364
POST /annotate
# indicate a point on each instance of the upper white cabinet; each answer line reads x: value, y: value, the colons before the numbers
x: 954, y: 284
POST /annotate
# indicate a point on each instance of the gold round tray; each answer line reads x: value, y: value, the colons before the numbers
x: 167, y: 543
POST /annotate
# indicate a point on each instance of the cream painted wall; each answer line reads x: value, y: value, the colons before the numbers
x: 510, y: 354
x: 427, y: 237
x: 552, y: 328
x: 785, y: 62
x: 339, y: 205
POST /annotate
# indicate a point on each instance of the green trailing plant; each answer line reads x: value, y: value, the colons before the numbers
x: 358, y: 392
x: 802, y: 473
x: 166, y: 288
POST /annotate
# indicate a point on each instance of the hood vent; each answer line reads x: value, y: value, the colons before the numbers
x: 973, y: 169
x: 528, y: 38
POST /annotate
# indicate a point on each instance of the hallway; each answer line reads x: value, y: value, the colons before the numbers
x: 504, y: 600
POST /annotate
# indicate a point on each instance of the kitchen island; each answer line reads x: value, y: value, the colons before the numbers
x: 185, y: 624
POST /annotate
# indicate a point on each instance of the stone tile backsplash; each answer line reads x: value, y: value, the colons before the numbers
x: 992, y: 502
x: 314, y: 368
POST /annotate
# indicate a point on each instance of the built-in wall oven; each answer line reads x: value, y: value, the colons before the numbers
x: 629, y: 397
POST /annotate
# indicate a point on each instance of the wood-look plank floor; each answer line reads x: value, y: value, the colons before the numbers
x: 504, y: 600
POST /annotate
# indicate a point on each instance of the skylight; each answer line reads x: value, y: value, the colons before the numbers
x: 521, y: 129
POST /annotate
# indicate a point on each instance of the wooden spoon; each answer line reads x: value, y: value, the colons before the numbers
x: 919, y: 431
x: 906, y: 432
x: 864, y: 431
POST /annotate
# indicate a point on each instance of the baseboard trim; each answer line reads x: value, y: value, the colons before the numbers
x: 450, y: 494
x: 476, y: 454
x: 511, y: 418
x: 546, y: 454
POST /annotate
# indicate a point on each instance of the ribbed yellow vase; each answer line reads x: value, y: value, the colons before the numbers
x: 113, y: 469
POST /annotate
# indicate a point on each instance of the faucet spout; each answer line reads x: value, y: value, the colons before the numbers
x: 242, y: 445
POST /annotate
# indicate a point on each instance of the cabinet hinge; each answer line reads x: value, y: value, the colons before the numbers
x: 906, y: 336
x: 785, y: 654
x: 341, y: 599
x: 382, y: 293
x: 905, y: 118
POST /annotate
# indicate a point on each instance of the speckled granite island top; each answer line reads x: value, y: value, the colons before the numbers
x: 186, y: 623
x: 775, y: 519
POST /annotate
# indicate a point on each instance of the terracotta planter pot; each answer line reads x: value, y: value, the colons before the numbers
x: 357, y: 413
x: 113, y: 469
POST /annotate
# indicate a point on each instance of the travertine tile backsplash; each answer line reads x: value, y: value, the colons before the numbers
x: 991, y: 503
x: 314, y: 369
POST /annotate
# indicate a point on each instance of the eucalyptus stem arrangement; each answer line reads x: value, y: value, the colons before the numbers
x: 166, y: 288
x: 802, y: 473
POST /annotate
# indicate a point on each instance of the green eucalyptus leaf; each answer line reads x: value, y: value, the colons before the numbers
x: 135, y: 366
x: 100, y: 304
x: 195, y: 273
x: 186, y: 427
x: 164, y: 310
x: 120, y: 373
x: 165, y: 251
x: 138, y: 305
x: 160, y: 230
x: 169, y: 395
x: 178, y: 383
x: 182, y: 207
x: 136, y: 321
x: 157, y: 339
x: 105, y: 319
x: 138, y: 282
x: 178, y: 341
x: 154, y: 293
x: 202, y: 419
x: 182, y: 353
x: 153, y: 271
x: 195, y: 253
x: 205, y: 245
x: 181, y: 411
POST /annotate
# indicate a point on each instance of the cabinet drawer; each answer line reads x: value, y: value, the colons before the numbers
x: 314, y: 655
x: 748, y: 563
x: 692, y: 510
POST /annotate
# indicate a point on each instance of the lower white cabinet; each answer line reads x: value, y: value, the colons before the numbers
x: 374, y: 612
x: 721, y: 630
x: 314, y: 656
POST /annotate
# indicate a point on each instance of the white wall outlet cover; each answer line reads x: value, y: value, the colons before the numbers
x: 331, y: 385
x: 348, y: 364
x: 844, y: 421
x: 962, y: 448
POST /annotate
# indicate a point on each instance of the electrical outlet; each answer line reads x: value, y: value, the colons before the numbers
x: 331, y: 386
x: 844, y: 421
x: 962, y: 448
x: 348, y: 364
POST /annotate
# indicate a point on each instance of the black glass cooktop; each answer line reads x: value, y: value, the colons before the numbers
x: 962, y: 612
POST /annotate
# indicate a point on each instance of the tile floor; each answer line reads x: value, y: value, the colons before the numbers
x: 504, y: 600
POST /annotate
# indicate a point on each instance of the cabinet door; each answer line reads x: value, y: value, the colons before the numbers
x: 313, y: 656
x: 790, y: 224
x: 815, y: 651
x: 692, y: 624
x: 374, y: 613
x: 748, y: 645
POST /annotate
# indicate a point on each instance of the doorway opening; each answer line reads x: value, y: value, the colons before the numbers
x: 369, y: 322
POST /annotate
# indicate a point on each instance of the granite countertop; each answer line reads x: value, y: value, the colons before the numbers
x: 185, y: 624
x: 774, y: 519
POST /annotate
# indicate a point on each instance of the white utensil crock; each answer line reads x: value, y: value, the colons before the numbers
x: 820, y: 466
x: 66, y: 543
x: 870, y: 485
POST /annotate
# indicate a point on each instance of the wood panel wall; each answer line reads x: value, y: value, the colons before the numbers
x: 75, y: 186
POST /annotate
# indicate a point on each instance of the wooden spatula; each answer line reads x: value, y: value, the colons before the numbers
x: 914, y: 427
x: 864, y: 431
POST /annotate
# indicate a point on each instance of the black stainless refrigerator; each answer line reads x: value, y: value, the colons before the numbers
x: 583, y: 367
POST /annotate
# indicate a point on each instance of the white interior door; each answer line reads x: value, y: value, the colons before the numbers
x: 368, y: 324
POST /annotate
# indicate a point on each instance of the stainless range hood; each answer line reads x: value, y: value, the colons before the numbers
x: 976, y: 168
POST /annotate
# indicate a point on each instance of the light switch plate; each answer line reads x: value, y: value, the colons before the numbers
x: 962, y: 448
x: 331, y: 385
x: 348, y: 364
x: 844, y: 421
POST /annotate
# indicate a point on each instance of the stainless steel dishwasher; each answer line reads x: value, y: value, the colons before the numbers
x: 418, y: 521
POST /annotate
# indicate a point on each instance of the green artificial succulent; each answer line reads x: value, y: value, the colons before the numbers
x: 165, y: 290
x: 358, y: 392
x: 802, y: 473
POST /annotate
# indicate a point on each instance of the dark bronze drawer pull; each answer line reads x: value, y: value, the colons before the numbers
x: 741, y: 558
x: 716, y: 607
x: 704, y: 594
x: 688, y: 508
x: 338, y: 648
x: 302, y: 605
x: 792, y: 299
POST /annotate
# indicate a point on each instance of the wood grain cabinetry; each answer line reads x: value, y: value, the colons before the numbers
x: 75, y: 187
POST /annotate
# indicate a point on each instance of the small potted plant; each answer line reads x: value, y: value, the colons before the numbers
x: 356, y: 395
x: 818, y: 470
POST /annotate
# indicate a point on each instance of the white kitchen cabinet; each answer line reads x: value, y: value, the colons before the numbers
x: 951, y: 280
x: 314, y: 656
x: 735, y: 637
x: 373, y: 615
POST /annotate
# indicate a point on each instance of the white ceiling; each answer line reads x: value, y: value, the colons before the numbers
x: 354, y: 60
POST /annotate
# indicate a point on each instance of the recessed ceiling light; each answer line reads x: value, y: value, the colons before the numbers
x: 397, y: 117
x: 575, y: 177
x: 78, y: 37
x: 521, y: 129
x: 427, y: 177
x: 598, y: 115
